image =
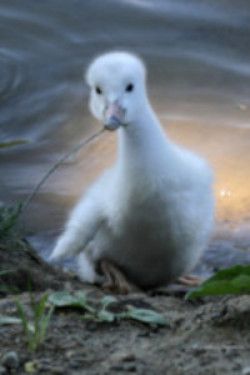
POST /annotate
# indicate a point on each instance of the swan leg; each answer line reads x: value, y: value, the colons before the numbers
x: 115, y: 280
x: 190, y: 280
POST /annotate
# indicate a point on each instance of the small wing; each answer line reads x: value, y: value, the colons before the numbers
x: 85, y: 221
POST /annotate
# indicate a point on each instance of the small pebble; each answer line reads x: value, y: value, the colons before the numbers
x: 246, y: 371
x: 55, y: 370
x: 123, y: 356
x: 10, y: 360
x: 116, y: 368
x: 130, y: 367
x: 129, y: 357
x: 198, y: 351
x: 125, y: 367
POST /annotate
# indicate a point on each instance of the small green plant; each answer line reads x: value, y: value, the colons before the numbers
x: 102, y: 310
x: 234, y: 280
x: 8, y: 218
x: 35, y: 330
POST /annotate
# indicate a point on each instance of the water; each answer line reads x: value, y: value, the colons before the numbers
x: 198, y: 58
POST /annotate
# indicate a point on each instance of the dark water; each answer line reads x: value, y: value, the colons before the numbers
x: 198, y: 57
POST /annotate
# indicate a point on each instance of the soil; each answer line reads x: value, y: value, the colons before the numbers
x: 209, y: 336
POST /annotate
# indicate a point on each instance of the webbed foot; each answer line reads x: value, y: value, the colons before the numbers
x: 190, y: 280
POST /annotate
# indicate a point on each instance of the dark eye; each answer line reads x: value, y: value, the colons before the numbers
x: 129, y: 87
x: 98, y: 90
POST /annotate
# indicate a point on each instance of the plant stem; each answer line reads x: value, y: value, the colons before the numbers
x: 57, y: 164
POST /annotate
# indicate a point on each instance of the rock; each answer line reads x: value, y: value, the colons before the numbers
x: 198, y: 350
x: 55, y: 370
x: 11, y: 360
x: 129, y: 357
x: 123, y: 361
x: 3, y: 370
x: 123, y: 356
x: 130, y: 367
x: 30, y: 367
x: 124, y: 367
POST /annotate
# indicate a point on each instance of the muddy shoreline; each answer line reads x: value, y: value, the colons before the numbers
x: 209, y: 336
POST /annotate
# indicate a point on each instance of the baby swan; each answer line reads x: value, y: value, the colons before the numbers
x: 148, y: 219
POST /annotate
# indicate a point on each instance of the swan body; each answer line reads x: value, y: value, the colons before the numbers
x: 152, y: 213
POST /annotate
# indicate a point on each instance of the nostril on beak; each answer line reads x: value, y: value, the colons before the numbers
x: 114, y: 116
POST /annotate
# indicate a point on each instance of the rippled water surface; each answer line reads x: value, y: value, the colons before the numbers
x: 198, y: 57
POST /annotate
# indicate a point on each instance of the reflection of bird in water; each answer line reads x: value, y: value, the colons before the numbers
x: 148, y: 219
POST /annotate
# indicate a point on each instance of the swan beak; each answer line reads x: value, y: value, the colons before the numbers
x: 114, y: 116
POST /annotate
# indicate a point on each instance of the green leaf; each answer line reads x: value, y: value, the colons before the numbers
x: 4, y: 320
x: 79, y: 300
x: 147, y: 316
x: 107, y: 300
x: 67, y: 299
x: 233, y: 280
x: 105, y: 316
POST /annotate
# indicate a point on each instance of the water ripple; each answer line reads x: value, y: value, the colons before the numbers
x: 210, y: 11
x: 11, y: 76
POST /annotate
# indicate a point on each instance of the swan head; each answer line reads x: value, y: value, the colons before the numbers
x: 117, y: 84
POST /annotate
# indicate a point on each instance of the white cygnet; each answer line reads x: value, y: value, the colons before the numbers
x: 152, y: 213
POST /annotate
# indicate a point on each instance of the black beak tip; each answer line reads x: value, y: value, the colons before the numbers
x: 112, y: 124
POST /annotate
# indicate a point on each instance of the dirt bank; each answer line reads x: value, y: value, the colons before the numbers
x: 206, y: 337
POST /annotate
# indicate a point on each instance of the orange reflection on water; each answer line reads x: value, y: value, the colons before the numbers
x: 227, y: 149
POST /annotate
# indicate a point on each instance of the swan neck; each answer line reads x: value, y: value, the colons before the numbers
x: 142, y: 143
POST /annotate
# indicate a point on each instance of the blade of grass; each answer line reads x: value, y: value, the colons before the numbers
x: 23, y: 317
x: 45, y: 323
